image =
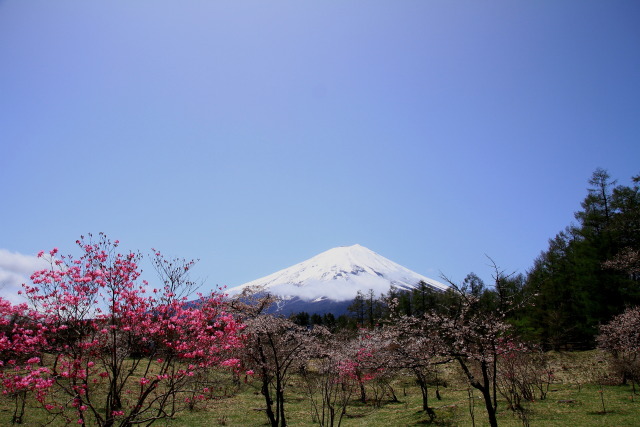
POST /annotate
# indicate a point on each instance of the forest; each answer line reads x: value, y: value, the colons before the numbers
x: 97, y: 345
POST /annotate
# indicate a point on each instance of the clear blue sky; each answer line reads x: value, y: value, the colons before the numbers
x: 256, y: 134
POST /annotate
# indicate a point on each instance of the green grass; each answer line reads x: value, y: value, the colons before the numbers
x: 575, y: 398
x: 566, y: 405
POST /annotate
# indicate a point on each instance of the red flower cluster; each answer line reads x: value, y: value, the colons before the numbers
x: 91, y: 315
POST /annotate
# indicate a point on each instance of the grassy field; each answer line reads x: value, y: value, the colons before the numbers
x: 581, y: 395
x: 566, y: 404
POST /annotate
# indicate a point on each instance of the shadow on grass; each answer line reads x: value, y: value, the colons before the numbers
x: 601, y: 413
x: 434, y: 422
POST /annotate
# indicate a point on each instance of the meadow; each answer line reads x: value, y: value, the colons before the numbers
x: 582, y: 393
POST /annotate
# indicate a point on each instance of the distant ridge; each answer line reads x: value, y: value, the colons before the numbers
x: 334, y: 278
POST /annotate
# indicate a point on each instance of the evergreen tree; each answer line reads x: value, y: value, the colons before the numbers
x: 358, y: 308
x: 329, y: 320
x: 301, y: 319
x: 316, y: 319
x: 577, y: 284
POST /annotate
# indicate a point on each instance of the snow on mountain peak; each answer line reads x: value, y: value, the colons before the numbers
x: 338, y: 274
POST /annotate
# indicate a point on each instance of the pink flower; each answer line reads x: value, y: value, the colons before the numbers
x: 108, y: 281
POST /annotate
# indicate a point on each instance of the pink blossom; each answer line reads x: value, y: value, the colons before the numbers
x: 101, y: 292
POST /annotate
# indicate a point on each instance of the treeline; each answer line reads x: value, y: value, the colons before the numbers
x: 369, y: 310
x: 589, y: 273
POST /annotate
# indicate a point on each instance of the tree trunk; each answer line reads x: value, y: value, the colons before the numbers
x: 484, y: 388
x: 265, y: 387
x: 422, y: 382
x: 18, y: 413
x: 423, y: 389
x: 280, y: 406
x: 490, y: 401
x: 269, y: 402
x: 491, y: 411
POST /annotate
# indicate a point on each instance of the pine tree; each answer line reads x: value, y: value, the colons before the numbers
x: 576, y: 279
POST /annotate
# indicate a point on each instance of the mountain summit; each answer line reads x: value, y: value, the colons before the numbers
x: 337, y: 275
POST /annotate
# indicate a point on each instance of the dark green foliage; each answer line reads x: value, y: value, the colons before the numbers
x: 357, y: 309
x: 367, y: 309
x: 316, y: 319
x: 345, y: 322
x: 576, y: 290
x: 329, y: 321
x: 301, y: 319
x: 416, y: 302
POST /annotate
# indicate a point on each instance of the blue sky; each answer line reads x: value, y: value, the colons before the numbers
x: 253, y: 135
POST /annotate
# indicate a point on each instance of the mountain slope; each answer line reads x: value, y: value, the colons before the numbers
x: 337, y: 275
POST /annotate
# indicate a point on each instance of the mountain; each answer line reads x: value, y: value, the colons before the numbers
x: 329, y: 281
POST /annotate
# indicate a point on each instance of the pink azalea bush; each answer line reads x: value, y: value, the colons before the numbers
x: 101, y: 330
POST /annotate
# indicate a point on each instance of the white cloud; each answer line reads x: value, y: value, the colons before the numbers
x: 15, y: 269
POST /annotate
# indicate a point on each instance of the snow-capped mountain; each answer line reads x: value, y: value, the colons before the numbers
x: 337, y: 275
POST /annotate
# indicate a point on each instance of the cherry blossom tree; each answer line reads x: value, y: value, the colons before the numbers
x: 627, y: 260
x: 473, y: 330
x: 122, y: 352
x: 275, y: 349
x: 473, y: 339
x: 621, y: 338
x: 419, y: 350
x: 329, y: 383
x: 366, y: 359
x: 524, y: 375
x: 342, y: 365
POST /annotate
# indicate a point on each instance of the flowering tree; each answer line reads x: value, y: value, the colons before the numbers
x: 276, y: 348
x: 21, y: 338
x: 331, y: 378
x: 419, y: 350
x: 472, y: 338
x: 621, y: 338
x: 523, y: 375
x: 473, y: 330
x: 329, y: 387
x: 122, y: 354
x: 366, y: 358
x: 341, y: 365
x: 627, y: 260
